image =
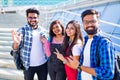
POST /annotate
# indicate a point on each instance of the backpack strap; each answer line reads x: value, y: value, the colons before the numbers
x: 117, y: 63
x: 22, y: 42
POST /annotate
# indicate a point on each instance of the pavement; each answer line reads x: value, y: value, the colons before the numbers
x: 8, y: 70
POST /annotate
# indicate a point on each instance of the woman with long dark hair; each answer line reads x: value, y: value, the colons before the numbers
x: 56, y: 68
x: 73, y: 43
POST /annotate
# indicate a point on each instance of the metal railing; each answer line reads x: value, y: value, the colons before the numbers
x: 65, y: 19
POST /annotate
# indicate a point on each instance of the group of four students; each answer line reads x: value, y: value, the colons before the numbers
x: 70, y: 56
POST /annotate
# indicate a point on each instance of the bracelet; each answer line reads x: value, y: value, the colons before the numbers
x: 64, y: 62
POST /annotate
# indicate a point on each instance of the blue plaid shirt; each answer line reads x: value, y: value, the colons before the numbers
x: 105, y: 67
x: 27, y: 38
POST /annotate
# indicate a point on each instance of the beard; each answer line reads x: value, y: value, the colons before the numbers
x: 33, y: 24
x: 91, y: 32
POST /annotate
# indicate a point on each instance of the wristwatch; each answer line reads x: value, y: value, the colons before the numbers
x: 64, y: 62
x: 79, y: 68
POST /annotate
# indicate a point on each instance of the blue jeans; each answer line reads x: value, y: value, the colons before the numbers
x: 41, y: 72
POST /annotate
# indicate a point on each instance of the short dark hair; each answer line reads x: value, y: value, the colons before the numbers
x: 89, y: 12
x: 32, y: 10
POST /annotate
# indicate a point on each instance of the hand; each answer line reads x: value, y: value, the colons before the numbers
x: 74, y: 63
x: 43, y: 39
x: 16, y: 37
x: 59, y: 56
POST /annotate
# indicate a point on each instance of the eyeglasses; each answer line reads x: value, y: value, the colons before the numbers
x: 30, y: 18
x: 89, y: 22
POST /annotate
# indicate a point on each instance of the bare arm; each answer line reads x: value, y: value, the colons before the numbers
x: 75, y: 63
x: 46, y: 45
x: 88, y: 70
x: 61, y: 57
x: 16, y: 39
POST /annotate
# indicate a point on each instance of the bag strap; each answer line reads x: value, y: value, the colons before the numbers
x: 21, y: 45
x: 117, y: 60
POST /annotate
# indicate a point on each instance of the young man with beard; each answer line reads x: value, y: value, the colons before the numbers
x: 97, y: 58
x: 32, y: 52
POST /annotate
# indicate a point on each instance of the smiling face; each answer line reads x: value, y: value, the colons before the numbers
x: 70, y: 30
x: 57, y: 29
x: 33, y: 19
x: 90, y: 23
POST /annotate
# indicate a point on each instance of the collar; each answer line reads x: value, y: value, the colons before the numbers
x: 35, y: 28
x: 98, y: 34
x: 28, y: 27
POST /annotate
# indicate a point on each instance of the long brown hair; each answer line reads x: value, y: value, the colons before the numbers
x: 78, y: 35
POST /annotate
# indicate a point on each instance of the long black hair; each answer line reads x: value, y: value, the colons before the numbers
x: 51, y: 33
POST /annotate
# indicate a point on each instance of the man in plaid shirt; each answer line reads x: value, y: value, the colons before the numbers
x: 32, y: 52
x: 97, y: 57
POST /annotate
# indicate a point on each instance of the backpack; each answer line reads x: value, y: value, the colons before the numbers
x: 117, y: 62
x: 17, y: 58
x: 117, y: 68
